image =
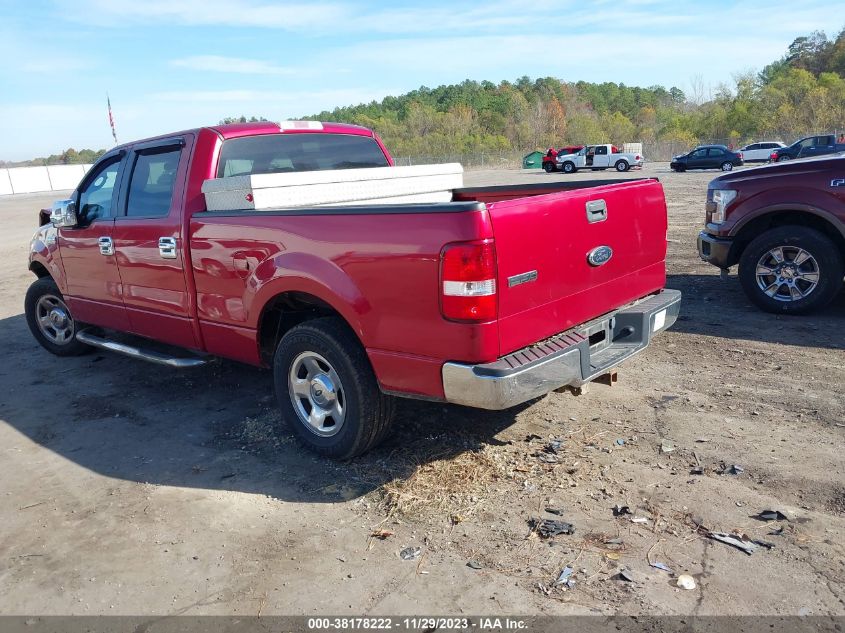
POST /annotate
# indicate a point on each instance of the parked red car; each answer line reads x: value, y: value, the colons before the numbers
x: 549, y: 163
x: 490, y: 300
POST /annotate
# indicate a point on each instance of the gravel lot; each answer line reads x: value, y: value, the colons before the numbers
x: 131, y: 489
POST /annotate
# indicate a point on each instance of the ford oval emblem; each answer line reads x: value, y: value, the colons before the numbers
x: 600, y: 255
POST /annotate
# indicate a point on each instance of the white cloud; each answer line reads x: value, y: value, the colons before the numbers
x: 223, y: 64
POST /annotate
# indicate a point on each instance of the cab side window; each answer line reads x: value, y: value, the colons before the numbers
x: 95, y: 198
x: 601, y: 151
x: 151, y: 186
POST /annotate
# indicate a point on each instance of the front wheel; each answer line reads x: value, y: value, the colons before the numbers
x: 569, y: 168
x: 791, y: 269
x: 727, y: 166
x: 327, y: 391
x: 622, y: 165
x: 549, y: 167
x: 50, y: 321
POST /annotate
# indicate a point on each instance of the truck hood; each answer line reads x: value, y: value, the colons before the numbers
x: 776, y: 170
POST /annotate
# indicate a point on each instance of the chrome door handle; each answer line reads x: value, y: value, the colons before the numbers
x: 106, y: 246
x: 167, y: 247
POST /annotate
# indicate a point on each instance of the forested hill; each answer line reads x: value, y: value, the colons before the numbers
x: 802, y: 93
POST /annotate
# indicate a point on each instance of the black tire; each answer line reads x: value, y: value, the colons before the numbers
x: 44, y: 293
x: 569, y: 167
x: 367, y: 411
x: 549, y: 167
x: 827, y: 265
x: 727, y: 166
x: 622, y: 165
x: 782, y: 158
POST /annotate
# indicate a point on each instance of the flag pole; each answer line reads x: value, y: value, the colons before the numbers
x: 111, y: 119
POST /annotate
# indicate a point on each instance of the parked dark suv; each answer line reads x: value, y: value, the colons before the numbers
x: 707, y: 157
x: 810, y: 146
x: 784, y: 225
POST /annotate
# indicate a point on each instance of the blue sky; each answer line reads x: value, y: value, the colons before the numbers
x: 173, y: 64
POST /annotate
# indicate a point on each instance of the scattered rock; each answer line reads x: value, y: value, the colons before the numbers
x: 685, y: 581
x: 410, y: 553
x: 551, y: 527
x: 474, y: 564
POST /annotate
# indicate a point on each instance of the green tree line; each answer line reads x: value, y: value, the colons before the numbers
x: 68, y: 157
x: 802, y: 93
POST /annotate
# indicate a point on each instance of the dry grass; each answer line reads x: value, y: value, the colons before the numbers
x: 452, y: 487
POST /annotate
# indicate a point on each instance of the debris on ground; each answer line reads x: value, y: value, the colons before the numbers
x: 662, y: 566
x: 619, y: 510
x: 685, y: 581
x: 666, y: 446
x: 551, y: 527
x: 410, y: 553
x: 733, y: 469
x: 620, y: 442
x: 547, y: 458
x: 474, y: 564
x: 381, y: 534
x: 614, y: 541
x: 639, y: 520
x: 770, y: 515
x: 565, y: 579
x: 626, y: 575
x: 555, y: 511
x: 762, y: 543
x: 777, y: 531
x: 554, y: 447
x: 732, y: 539
x: 532, y: 436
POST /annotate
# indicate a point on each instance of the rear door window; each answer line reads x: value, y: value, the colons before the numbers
x: 280, y: 153
x: 715, y: 151
x: 151, y: 186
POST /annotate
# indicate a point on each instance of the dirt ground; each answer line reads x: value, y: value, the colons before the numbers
x: 131, y: 489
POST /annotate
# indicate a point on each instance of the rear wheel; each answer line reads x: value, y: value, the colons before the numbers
x: 569, y: 168
x: 549, y: 167
x: 50, y: 321
x: 791, y: 269
x: 727, y: 166
x: 622, y: 165
x: 780, y: 159
x: 327, y: 391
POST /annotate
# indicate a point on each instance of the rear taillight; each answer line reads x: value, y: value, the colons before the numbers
x: 637, y: 157
x: 740, y: 155
x: 468, y: 281
x: 773, y: 156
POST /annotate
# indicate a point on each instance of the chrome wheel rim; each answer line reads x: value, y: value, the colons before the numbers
x: 787, y: 273
x: 54, y: 320
x: 727, y: 167
x: 317, y: 395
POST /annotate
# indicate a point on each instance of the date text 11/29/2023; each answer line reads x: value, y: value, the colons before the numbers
x: 417, y: 624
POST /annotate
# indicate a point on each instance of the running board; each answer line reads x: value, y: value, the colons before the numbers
x: 136, y: 352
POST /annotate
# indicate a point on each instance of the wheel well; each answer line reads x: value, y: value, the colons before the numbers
x: 783, y: 218
x: 282, y: 313
x: 39, y: 269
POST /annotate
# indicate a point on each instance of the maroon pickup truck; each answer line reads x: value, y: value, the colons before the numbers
x: 497, y: 297
x: 784, y: 224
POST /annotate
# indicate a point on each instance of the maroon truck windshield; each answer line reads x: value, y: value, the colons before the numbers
x: 278, y: 153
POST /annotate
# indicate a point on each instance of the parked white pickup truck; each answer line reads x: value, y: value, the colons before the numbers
x: 597, y: 157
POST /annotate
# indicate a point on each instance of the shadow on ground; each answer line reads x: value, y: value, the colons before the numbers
x: 715, y: 307
x: 214, y: 427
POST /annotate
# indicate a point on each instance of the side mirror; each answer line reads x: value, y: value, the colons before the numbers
x: 63, y: 214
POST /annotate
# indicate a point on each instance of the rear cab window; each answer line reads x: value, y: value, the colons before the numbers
x: 280, y: 153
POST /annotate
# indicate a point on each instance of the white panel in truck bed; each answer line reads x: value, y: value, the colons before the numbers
x: 377, y: 185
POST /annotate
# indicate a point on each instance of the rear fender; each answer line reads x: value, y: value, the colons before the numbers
x: 303, y: 272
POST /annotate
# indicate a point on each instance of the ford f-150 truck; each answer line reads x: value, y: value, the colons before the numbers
x: 495, y: 298
x: 784, y: 224
x: 598, y: 157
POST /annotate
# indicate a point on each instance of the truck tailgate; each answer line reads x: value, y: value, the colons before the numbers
x: 546, y: 281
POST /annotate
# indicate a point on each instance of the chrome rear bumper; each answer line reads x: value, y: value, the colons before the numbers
x: 569, y: 359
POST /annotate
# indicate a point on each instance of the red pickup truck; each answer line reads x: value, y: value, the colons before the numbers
x: 500, y: 296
